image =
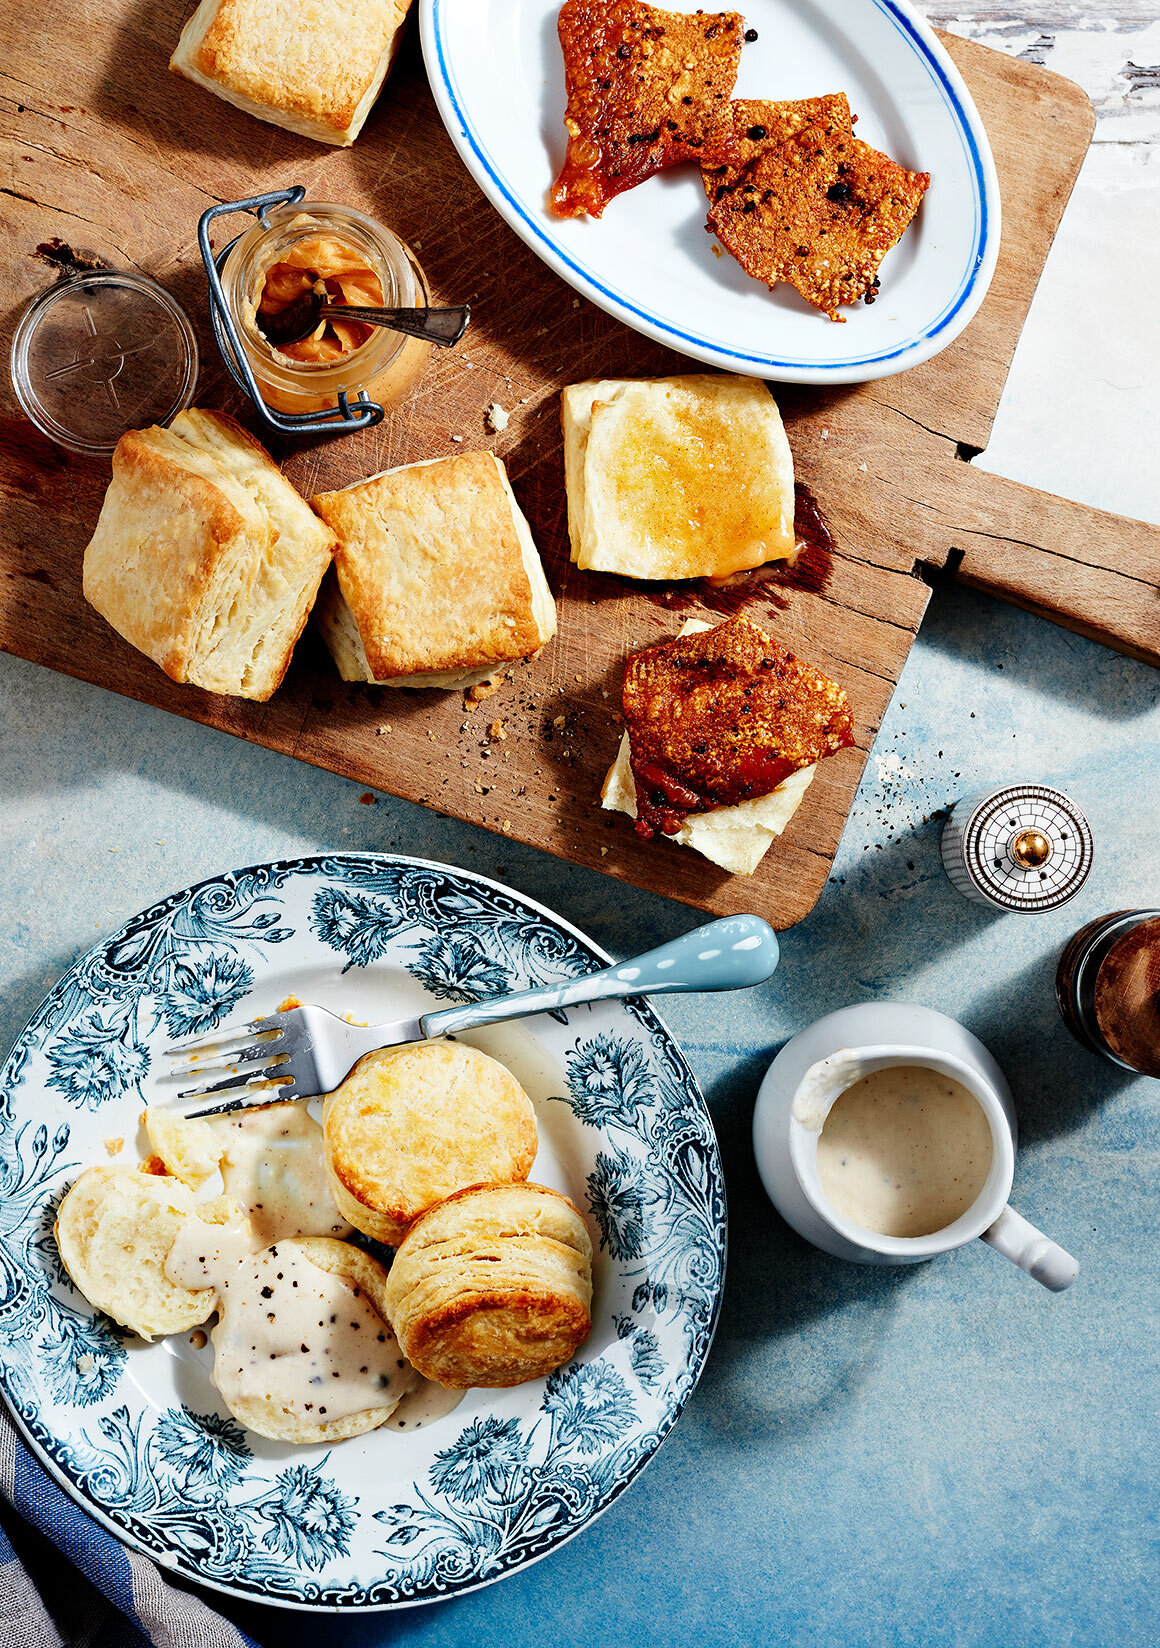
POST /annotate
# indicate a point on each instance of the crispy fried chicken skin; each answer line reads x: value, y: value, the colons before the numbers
x: 809, y: 203
x: 721, y: 717
x: 646, y: 90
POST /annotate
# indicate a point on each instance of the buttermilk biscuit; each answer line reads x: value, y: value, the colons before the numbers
x: 492, y: 1286
x: 204, y: 557
x: 438, y: 581
x: 188, y: 1147
x: 688, y: 477
x: 114, y: 1231
x: 302, y: 1351
x: 313, y: 66
x: 410, y: 1126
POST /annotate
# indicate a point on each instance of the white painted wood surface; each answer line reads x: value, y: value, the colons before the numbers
x: 1082, y: 405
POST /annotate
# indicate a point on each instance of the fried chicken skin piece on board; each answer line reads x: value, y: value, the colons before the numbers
x: 721, y: 716
x: 647, y: 89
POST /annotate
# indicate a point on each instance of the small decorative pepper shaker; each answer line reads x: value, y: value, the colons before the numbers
x: 1021, y: 847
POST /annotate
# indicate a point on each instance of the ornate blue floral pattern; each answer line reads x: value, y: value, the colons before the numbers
x: 608, y: 1078
x: 589, y: 1404
x: 99, y: 1059
x: 204, y: 991
x: 482, y: 1492
x: 207, y: 1450
x: 483, y: 1462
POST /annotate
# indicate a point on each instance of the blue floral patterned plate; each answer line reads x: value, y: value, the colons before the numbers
x: 136, y: 1432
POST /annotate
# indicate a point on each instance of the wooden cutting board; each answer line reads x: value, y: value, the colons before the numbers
x: 110, y: 153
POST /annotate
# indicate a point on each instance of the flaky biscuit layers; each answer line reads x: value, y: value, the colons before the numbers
x: 114, y: 1230
x: 493, y: 1286
x: 412, y: 1125
x: 204, y: 557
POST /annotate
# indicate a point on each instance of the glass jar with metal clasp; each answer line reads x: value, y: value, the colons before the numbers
x: 351, y: 387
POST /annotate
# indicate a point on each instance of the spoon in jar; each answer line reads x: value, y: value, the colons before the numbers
x: 300, y: 318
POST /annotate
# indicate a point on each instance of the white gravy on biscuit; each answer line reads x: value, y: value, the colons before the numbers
x: 304, y: 1339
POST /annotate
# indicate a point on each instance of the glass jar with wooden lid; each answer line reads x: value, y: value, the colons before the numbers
x: 1108, y: 987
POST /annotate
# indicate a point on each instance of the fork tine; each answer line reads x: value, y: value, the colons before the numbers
x: 254, y: 1053
x: 274, y: 1095
x: 258, y: 1079
x: 216, y: 1038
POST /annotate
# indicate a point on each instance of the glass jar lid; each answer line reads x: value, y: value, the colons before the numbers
x: 99, y: 353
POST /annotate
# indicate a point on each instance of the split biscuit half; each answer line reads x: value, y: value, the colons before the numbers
x: 114, y: 1230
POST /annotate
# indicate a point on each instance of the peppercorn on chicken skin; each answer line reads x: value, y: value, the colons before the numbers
x: 808, y: 203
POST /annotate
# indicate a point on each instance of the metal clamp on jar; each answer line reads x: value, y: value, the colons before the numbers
x: 298, y: 396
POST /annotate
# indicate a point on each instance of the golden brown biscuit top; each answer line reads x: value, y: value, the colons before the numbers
x: 646, y: 90
x: 430, y: 562
x: 313, y: 59
x: 814, y: 206
x: 723, y: 716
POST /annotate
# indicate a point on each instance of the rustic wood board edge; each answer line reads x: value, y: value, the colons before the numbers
x: 319, y: 720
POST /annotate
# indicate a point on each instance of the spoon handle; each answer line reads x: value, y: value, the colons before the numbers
x: 443, y: 326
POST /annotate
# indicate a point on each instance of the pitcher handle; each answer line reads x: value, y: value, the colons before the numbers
x: 1017, y: 1240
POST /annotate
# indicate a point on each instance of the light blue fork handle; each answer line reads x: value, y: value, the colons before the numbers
x: 730, y: 954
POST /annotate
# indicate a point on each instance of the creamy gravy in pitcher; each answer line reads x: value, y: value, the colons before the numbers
x: 904, y: 1151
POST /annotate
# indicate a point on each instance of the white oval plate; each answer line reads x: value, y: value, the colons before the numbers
x: 137, y: 1433
x: 498, y: 77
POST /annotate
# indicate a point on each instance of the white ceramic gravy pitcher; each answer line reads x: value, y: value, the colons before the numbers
x: 796, y: 1098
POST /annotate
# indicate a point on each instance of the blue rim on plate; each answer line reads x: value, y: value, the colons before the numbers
x: 135, y: 1432
x: 533, y: 224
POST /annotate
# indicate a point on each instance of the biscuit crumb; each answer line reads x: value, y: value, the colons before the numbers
x: 559, y: 720
x: 385, y: 728
x: 457, y: 437
x: 114, y: 1147
x: 85, y: 1363
x: 506, y: 826
x: 498, y: 417
x: 481, y: 690
x: 498, y: 730
x: 604, y: 852
x: 862, y: 467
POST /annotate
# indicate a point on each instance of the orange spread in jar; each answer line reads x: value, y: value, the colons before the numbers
x: 336, y: 272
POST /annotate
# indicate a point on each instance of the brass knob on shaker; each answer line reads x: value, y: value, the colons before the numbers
x: 1030, y: 849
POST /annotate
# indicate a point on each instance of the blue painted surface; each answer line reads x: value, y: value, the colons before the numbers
x: 944, y: 1455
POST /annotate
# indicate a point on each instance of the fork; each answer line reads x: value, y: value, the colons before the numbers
x: 307, y: 1051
